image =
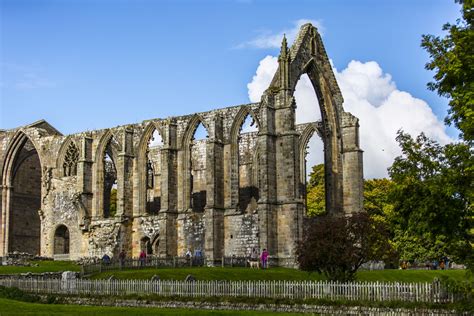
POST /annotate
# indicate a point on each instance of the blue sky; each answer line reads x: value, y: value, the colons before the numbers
x: 87, y: 64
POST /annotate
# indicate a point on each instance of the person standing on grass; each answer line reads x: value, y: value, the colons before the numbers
x: 122, y: 258
x: 254, y: 254
x: 142, y: 258
x: 264, y: 258
x: 106, y: 259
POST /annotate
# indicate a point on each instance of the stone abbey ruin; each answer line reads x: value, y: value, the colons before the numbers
x: 97, y: 192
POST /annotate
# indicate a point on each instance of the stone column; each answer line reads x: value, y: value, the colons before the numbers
x: 84, y: 176
x: 125, y: 175
x: 290, y: 209
x: 168, y: 211
x: 229, y: 200
x: 267, y: 177
x: 125, y: 189
x: 182, y: 201
x: 214, y: 210
x: 5, y: 203
x: 353, y: 176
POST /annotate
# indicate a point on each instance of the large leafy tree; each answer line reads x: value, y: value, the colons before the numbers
x: 452, y: 60
x: 337, y: 245
x: 432, y: 199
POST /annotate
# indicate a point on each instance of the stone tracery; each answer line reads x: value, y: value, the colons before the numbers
x: 70, y: 160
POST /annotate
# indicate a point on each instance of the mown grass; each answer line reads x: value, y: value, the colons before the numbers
x: 11, y: 307
x: 233, y: 274
x: 43, y: 266
x: 409, y: 275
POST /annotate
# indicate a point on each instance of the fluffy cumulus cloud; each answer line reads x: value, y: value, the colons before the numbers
x: 372, y: 96
x: 268, y: 39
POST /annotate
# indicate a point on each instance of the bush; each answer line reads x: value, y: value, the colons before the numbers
x: 338, y: 245
x: 14, y: 293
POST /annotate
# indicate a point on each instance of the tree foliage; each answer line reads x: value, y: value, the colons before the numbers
x: 315, y: 196
x: 432, y: 199
x: 452, y: 60
x: 376, y: 197
x: 337, y: 246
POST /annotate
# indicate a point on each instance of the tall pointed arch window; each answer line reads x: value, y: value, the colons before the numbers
x: 110, y: 184
x: 247, y: 142
x: 153, y: 173
x: 198, y: 181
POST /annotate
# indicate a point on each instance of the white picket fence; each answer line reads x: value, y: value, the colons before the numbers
x: 367, y: 291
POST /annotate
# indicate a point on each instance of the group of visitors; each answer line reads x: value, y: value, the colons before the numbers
x: 254, y: 258
x: 106, y: 260
x: 442, y: 264
x: 196, y: 258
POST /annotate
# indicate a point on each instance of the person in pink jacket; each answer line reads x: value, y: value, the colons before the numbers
x: 264, y: 258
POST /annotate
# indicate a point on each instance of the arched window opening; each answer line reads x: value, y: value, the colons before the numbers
x: 145, y: 244
x: 110, y: 184
x: 153, y: 173
x: 314, y: 177
x: 70, y: 160
x: 61, y: 240
x: 198, y: 168
x: 24, y: 223
x: 307, y: 105
x: 248, y: 188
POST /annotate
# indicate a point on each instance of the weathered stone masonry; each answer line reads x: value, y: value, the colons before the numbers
x: 223, y: 195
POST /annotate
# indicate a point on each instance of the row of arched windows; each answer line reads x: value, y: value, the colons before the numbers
x: 248, y: 192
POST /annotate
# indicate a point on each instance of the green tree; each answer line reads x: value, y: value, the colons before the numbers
x: 337, y: 245
x: 452, y: 60
x: 432, y: 199
x: 315, y: 196
x: 376, y: 197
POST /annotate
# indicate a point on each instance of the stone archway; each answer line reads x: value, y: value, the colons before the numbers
x: 21, y: 197
x: 145, y: 244
x: 61, y: 240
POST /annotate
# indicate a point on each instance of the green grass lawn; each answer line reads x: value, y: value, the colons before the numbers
x: 276, y: 274
x: 409, y: 275
x: 11, y: 307
x: 43, y: 266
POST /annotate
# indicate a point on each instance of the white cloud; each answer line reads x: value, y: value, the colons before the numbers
x: 372, y: 96
x: 260, y: 82
x: 268, y: 39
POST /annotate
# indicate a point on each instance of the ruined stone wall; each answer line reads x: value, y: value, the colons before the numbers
x: 224, y: 195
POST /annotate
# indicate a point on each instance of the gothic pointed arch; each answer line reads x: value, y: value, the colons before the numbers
x: 23, y: 184
x: 239, y: 119
x: 308, y: 56
x: 107, y: 147
x: 305, y: 136
x: 243, y: 186
x: 190, y: 198
x: 191, y: 127
x: 147, y: 168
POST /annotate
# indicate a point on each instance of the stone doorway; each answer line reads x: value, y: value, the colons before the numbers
x: 61, y: 240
